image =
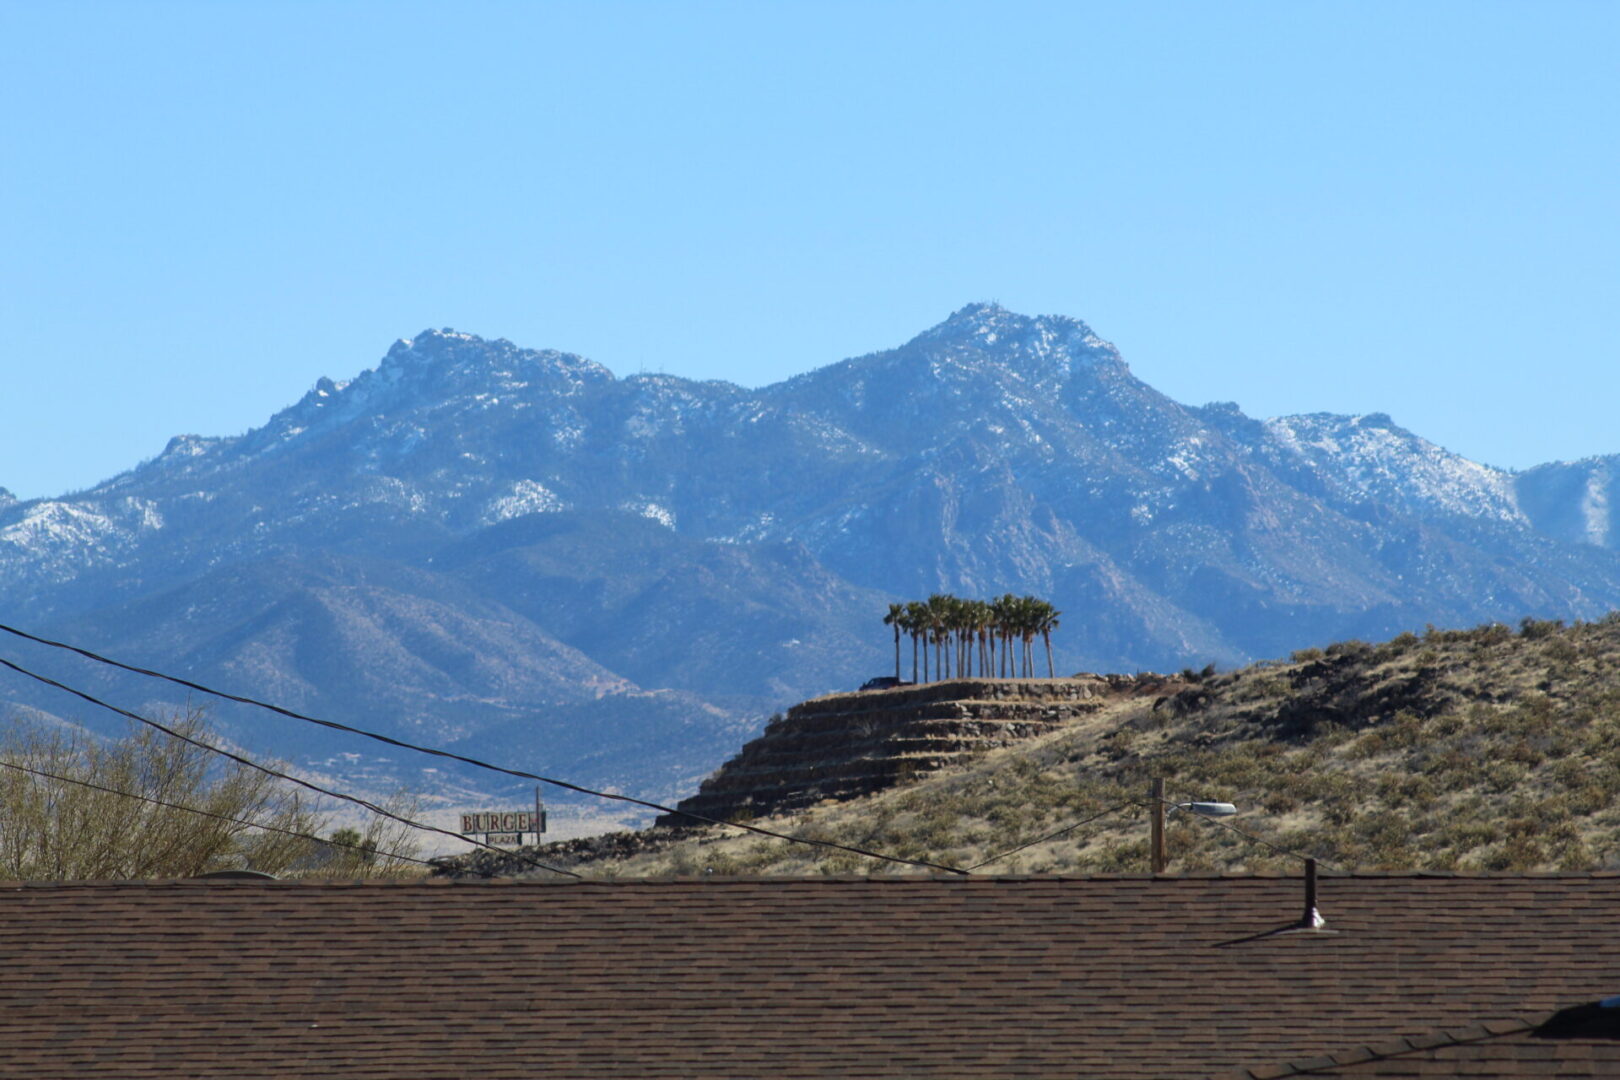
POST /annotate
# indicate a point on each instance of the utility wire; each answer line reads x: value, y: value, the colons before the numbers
x: 220, y: 817
x: 1050, y: 836
x: 1274, y: 847
x: 521, y: 774
x: 373, y: 807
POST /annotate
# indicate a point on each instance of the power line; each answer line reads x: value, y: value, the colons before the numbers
x: 221, y: 817
x: 1146, y: 805
x: 1051, y: 836
x: 476, y: 763
x: 373, y: 807
x: 1274, y: 847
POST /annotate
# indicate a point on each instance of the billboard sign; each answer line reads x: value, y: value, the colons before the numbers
x: 509, y: 821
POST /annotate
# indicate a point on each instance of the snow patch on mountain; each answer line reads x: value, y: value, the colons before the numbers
x: 762, y: 527
x: 1595, y: 506
x: 1369, y: 459
x: 391, y: 491
x: 1187, y: 459
x: 650, y: 510
x: 58, y: 540
x: 190, y: 446
x: 568, y: 436
x: 525, y: 497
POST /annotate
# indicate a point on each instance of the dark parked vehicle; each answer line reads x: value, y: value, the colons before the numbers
x: 883, y: 682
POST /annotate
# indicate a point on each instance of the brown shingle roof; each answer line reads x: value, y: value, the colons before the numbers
x: 1582, y: 1041
x: 783, y: 978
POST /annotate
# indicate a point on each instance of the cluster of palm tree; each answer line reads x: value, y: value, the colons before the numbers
x: 989, y: 638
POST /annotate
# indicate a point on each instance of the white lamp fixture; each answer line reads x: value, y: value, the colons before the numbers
x: 1206, y: 809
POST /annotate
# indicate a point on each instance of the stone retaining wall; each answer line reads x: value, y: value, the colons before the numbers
x: 841, y: 746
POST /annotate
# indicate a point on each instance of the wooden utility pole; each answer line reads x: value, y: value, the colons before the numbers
x: 1156, y: 796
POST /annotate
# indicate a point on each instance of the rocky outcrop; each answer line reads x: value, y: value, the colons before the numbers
x: 842, y: 746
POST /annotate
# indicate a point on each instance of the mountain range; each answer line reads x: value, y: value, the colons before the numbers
x: 517, y: 554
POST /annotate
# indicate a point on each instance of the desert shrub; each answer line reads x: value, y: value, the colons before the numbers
x: 1571, y: 852
x: 1369, y: 745
x: 683, y: 861
x: 1279, y: 802
x: 1562, y: 651
x: 1446, y: 723
x: 1568, y: 772
x: 1589, y: 798
x: 1518, y: 853
x: 1395, y: 647
x: 1405, y: 729
x: 58, y: 829
x: 1352, y: 649
x: 1462, y: 835
x: 1536, y: 629
x: 1523, y: 752
x: 1502, y: 776
x: 1381, y: 841
x: 938, y: 828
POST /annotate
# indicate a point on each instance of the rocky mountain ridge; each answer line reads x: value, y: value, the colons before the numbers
x: 485, y: 543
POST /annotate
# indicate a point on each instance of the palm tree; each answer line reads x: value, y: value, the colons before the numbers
x: 915, y: 621
x: 914, y: 629
x: 987, y: 638
x: 977, y: 622
x: 897, y: 613
x: 1029, y: 617
x: 1046, y: 622
x: 1004, y: 611
x: 957, y: 615
x: 938, y: 608
x: 968, y: 636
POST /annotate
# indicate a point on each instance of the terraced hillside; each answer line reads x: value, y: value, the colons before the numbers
x: 842, y: 746
x: 1493, y: 748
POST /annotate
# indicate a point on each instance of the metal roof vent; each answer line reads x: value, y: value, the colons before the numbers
x: 1312, y: 918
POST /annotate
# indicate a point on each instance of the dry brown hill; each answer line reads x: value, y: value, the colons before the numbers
x: 1482, y: 749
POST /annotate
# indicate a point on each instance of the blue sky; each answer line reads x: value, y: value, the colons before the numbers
x: 1406, y: 207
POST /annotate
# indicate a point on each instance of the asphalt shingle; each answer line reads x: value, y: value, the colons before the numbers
x: 983, y: 977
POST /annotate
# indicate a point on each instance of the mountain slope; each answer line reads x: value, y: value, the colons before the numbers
x: 474, y: 530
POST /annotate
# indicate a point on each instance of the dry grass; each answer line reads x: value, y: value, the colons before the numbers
x: 1483, y: 749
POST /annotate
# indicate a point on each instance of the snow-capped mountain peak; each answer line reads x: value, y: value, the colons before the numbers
x: 487, y: 533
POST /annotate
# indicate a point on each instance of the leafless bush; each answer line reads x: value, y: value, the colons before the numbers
x: 62, y: 829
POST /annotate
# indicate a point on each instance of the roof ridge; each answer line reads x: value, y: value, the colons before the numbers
x: 826, y: 879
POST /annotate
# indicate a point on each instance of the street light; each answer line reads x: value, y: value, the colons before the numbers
x: 1160, y: 857
x: 1310, y: 920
